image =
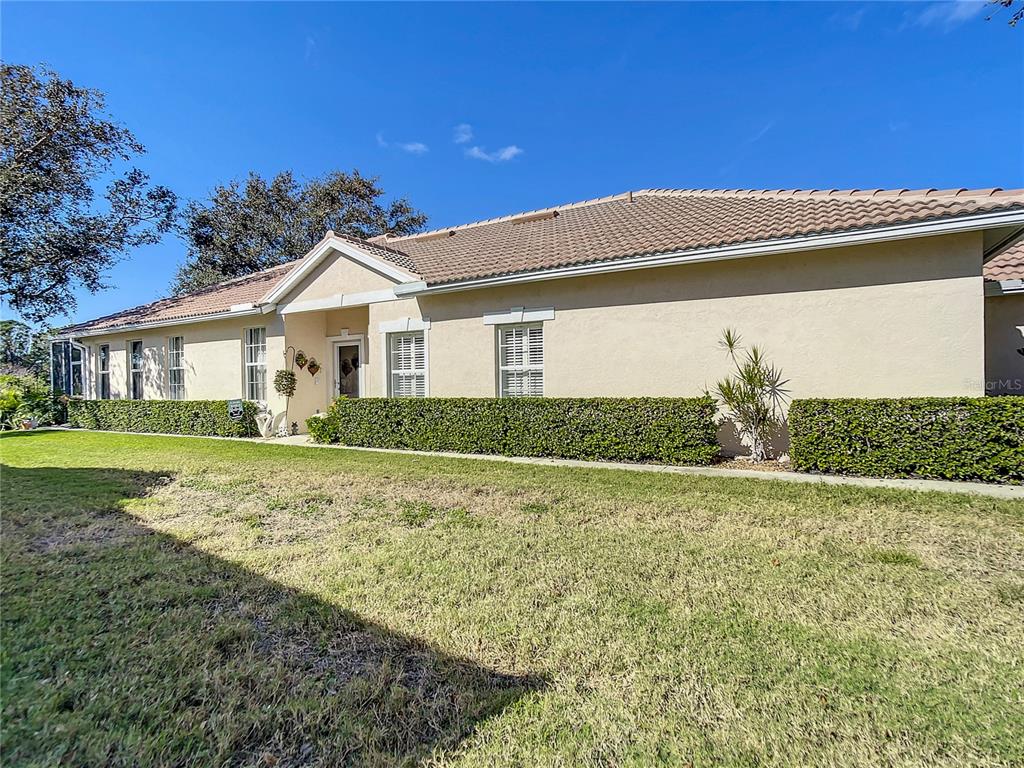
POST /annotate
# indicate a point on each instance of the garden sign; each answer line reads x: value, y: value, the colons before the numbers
x: 235, y: 410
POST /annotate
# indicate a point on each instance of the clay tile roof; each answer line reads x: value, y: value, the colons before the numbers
x: 381, y: 251
x: 222, y: 296
x: 620, y: 227
x: 1008, y: 265
x: 209, y: 301
x: 656, y: 221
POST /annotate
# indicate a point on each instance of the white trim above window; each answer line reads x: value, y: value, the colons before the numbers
x: 519, y: 315
x: 521, y: 360
x: 403, y: 324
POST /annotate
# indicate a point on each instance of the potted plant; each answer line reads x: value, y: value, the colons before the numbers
x: 284, y: 382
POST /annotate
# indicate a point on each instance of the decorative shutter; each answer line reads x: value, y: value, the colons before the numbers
x: 534, y: 384
x: 521, y: 359
x: 408, y: 364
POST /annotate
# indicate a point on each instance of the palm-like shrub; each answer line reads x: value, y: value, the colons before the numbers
x: 754, y: 396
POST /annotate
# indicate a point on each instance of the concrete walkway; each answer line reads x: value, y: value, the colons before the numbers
x: 946, y: 486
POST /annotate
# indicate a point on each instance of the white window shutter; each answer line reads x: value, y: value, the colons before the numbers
x: 521, y: 360
x: 408, y: 361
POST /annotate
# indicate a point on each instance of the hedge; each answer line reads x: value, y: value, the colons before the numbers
x: 177, y: 417
x: 952, y: 438
x: 665, y: 430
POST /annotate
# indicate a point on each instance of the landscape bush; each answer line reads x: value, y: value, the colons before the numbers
x: 25, y: 397
x: 664, y: 430
x: 177, y: 417
x: 952, y: 438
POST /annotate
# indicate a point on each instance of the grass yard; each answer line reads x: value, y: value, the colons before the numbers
x: 181, y: 602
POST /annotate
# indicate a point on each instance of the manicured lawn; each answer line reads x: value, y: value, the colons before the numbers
x: 196, y: 602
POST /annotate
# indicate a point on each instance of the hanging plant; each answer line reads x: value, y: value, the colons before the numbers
x: 300, y: 359
x: 313, y: 366
x: 284, y: 382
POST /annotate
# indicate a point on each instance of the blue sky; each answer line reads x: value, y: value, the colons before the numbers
x: 478, y: 110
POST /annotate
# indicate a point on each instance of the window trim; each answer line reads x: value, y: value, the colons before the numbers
x: 83, y: 372
x: 499, y: 369
x: 102, y: 372
x: 424, y: 331
x: 132, y: 370
x: 246, y: 365
x: 403, y: 325
x: 519, y: 315
x: 171, y: 368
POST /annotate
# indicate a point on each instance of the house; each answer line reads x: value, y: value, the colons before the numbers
x: 1004, y: 322
x: 855, y: 293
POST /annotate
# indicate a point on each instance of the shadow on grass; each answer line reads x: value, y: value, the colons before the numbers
x: 125, y: 646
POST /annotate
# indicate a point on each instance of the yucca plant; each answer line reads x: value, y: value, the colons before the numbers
x: 754, y: 396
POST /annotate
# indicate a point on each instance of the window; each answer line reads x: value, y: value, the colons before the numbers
x: 256, y: 364
x: 176, y: 367
x: 77, y: 370
x: 104, y: 372
x: 407, y: 363
x: 135, y: 374
x: 521, y: 360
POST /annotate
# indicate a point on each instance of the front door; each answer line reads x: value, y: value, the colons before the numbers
x: 346, y: 370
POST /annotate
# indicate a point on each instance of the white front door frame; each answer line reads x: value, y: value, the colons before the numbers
x: 346, y: 339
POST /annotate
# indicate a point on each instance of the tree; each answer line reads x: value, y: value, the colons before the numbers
x: 259, y: 224
x: 23, y: 350
x: 754, y: 396
x: 57, y: 145
x: 1015, y: 7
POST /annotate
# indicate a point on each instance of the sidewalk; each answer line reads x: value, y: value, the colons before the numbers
x: 947, y: 486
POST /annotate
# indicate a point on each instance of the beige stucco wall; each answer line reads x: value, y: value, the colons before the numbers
x: 903, y: 318
x: 897, y: 319
x: 213, y: 359
x: 338, y: 275
x: 313, y: 333
x: 1004, y: 336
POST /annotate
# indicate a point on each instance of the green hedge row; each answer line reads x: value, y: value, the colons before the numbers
x: 953, y: 438
x: 177, y: 417
x: 665, y: 430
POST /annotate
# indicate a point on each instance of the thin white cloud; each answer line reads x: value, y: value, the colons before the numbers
x: 850, y: 20
x: 414, y: 147
x: 463, y: 133
x: 509, y: 152
x: 760, y: 134
x: 743, y: 148
x: 502, y: 155
x: 310, y: 48
x: 947, y: 15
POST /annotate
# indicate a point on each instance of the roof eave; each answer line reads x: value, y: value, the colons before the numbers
x: 1004, y: 287
x: 738, y: 251
x: 112, y: 329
